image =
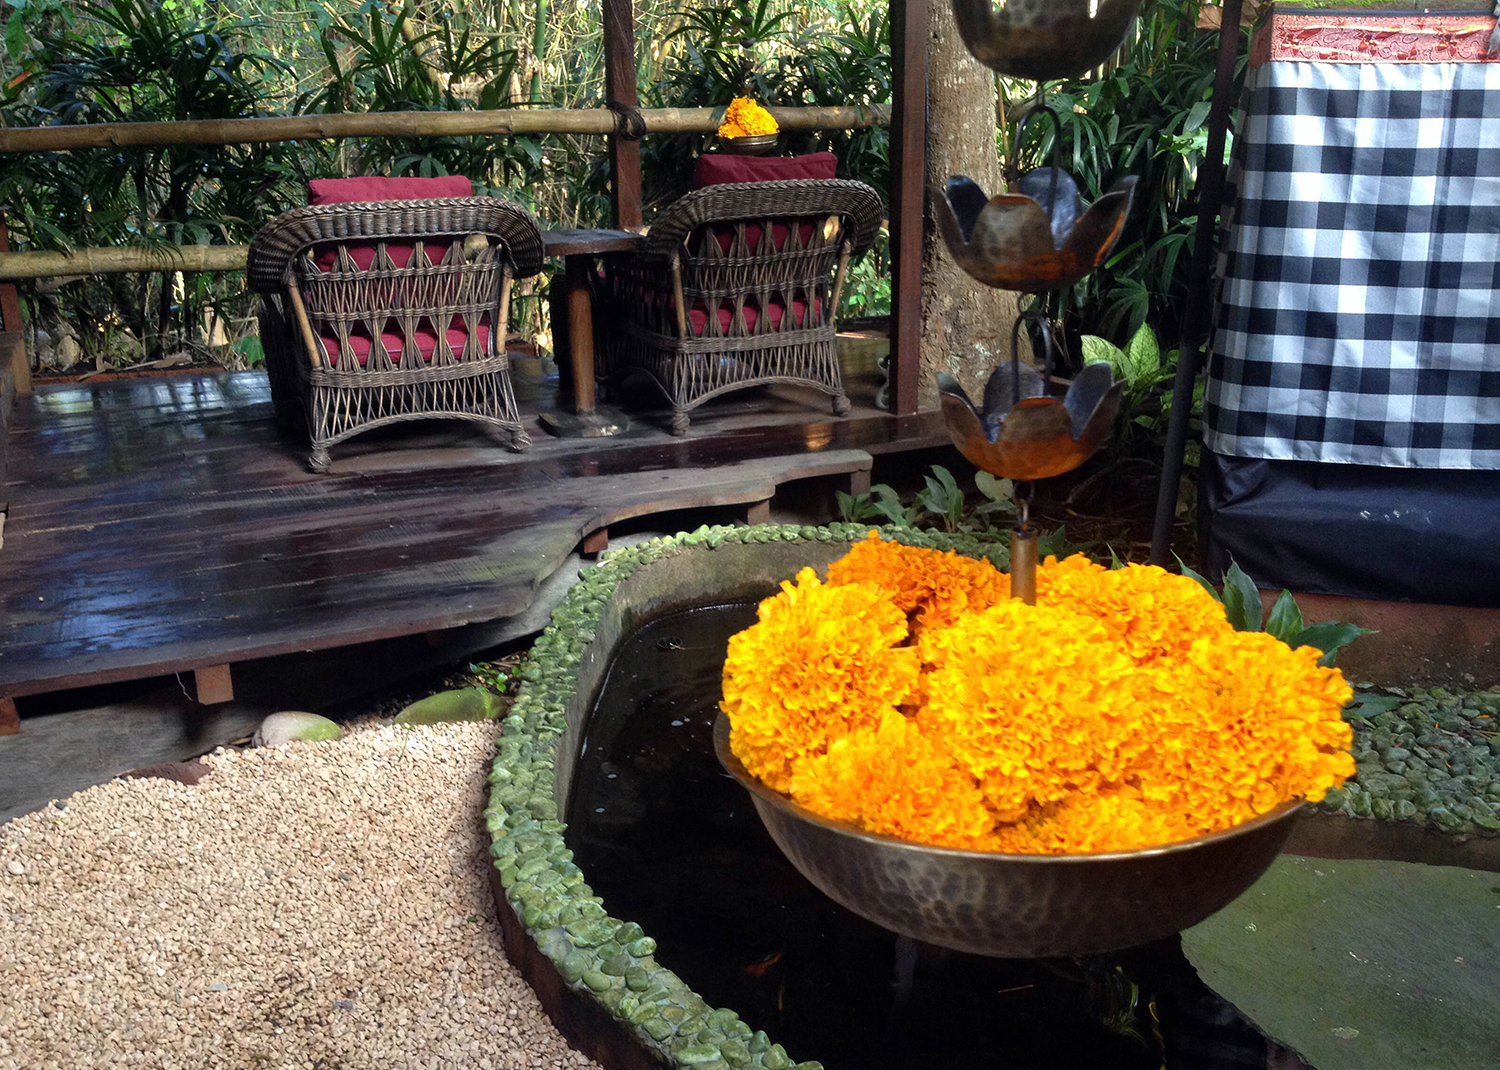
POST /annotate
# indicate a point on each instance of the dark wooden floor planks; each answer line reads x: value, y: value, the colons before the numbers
x: 161, y: 525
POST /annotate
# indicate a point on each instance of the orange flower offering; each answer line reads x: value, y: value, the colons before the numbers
x: 745, y: 118
x: 910, y: 695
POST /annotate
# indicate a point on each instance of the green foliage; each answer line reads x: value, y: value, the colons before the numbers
x: 1242, y: 605
x: 1146, y: 116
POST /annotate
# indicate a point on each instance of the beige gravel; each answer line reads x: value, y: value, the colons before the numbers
x: 318, y: 905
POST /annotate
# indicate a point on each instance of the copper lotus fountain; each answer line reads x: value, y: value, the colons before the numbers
x: 1034, y: 238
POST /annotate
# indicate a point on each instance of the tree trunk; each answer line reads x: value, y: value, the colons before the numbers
x: 965, y: 324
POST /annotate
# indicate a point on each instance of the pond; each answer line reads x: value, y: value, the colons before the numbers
x: 670, y: 841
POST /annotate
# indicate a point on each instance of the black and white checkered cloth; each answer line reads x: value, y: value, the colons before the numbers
x: 1359, y: 312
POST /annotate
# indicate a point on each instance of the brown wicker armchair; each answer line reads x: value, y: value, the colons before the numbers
x: 737, y: 285
x: 386, y: 311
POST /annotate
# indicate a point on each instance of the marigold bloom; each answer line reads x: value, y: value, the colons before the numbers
x: 1122, y: 711
x: 745, y: 118
x: 820, y: 662
x: 894, y: 780
x: 934, y: 589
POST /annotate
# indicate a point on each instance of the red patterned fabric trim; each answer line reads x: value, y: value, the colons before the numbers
x: 1374, y: 38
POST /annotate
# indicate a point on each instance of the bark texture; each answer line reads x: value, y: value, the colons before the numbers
x: 965, y: 324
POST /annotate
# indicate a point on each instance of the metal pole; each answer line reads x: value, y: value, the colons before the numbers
x: 1210, y: 197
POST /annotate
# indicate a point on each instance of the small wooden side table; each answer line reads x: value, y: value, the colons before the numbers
x: 579, y: 248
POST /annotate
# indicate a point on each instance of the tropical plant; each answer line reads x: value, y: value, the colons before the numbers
x: 1146, y: 116
x: 1242, y: 605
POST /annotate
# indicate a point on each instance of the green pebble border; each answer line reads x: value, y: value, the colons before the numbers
x: 1428, y: 757
x: 613, y: 962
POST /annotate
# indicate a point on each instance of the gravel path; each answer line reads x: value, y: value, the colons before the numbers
x: 323, y: 905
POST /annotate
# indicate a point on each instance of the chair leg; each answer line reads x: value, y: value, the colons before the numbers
x: 841, y: 405
x: 318, y: 460
x: 520, y: 441
x: 680, y: 421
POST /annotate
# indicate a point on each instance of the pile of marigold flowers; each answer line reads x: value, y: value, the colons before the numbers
x: 745, y: 118
x: 910, y: 695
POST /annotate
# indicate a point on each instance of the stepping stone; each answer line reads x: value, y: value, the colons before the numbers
x: 291, y: 725
x: 465, y: 704
x: 1361, y: 965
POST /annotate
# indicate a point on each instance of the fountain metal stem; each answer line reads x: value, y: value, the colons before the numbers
x: 1023, y: 549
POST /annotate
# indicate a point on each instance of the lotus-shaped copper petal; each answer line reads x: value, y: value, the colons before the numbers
x: 1043, y: 39
x: 1034, y: 239
x: 1037, y: 436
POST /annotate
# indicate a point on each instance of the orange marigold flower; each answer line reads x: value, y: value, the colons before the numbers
x: 894, y: 780
x: 819, y: 662
x: 745, y: 118
x: 1150, y: 612
x: 933, y: 588
x: 1122, y: 711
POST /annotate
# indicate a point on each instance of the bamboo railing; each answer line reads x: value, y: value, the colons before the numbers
x: 412, y: 124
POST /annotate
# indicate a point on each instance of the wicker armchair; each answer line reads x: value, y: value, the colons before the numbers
x: 737, y: 285
x: 386, y: 311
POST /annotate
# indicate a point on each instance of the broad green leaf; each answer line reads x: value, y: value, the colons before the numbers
x: 1196, y: 117
x: 1329, y: 638
x: 846, y: 504
x: 1285, y: 620
x: 15, y: 35
x: 945, y: 477
x: 1115, y: 564
x: 1241, y: 600
x: 1199, y: 580
x: 1143, y: 355
x: 1097, y: 350
x: 994, y: 488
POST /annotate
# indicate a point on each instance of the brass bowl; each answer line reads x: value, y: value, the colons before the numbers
x: 1017, y: 905
x: 1043, y: 39
x: 754, y: 145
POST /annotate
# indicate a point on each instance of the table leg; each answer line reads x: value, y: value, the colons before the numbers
x: 586, y: 420
x: 580, y: 331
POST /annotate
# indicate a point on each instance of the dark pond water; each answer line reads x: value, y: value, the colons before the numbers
x: 671, y: 842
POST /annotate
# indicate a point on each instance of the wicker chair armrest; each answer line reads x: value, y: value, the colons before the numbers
x: 275, y: 248
x: 767, y: 200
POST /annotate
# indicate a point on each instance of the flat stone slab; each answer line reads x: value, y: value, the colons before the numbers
x: 1363, y: 965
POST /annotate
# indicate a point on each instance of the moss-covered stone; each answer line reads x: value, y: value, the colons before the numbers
x: 465, y: 704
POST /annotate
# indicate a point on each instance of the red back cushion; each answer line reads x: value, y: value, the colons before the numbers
x: 378, y: 188
x: 715, y: 169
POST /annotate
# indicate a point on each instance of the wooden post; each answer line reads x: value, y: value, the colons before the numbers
x: 213, y: 684
x: 10, y: 322
x: 620, y: 89
x: 908, y: 178
x: 10, y: 720
x: 595, y: 542
x: 758, y: 513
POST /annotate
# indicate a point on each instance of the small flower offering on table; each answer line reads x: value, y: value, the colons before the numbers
x: 910, y: 695
x: 745, y: 118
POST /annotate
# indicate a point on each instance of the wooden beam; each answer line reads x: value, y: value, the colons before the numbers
x: 122, y: 258
x: 596, y: 542
x: 411, y: 124
x: 10, y: 720
x: 213, y: 685
x: 758, y: 512
x: 908, y: 178
x: 10, y: 323
x: 620, y: 89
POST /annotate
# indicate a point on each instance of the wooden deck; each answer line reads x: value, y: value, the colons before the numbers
x: 164, y: 525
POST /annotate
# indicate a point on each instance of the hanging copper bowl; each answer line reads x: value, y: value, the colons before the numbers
x: 1043, y: 39
x: 749, y: 145
x: 1032, y: 239
x: 1016, y: 905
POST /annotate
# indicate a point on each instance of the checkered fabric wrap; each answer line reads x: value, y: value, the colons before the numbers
x: 1359, y: 311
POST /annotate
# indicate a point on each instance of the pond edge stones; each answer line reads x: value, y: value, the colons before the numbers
x: 556, y: 929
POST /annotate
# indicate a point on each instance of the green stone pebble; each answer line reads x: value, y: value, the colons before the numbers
x: 657, y: 1028
x: 573, y: 967
x: 775, y: 1058
x: 735, y: 1053
x: 694, y: 1054
x: 596, y: 980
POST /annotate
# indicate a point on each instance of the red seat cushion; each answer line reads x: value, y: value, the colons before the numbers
x: 698, y: 315
x: 380, y: 188
x: 716, y: 169
x: 392, y: 339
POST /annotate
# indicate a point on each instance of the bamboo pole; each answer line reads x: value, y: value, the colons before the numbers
x: 120, y: 259
x: 411, y: 124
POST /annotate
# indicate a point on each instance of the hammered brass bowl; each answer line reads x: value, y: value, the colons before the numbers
x: 1016, y: 905
x: 752, y: 145
x: 1043, y: 39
